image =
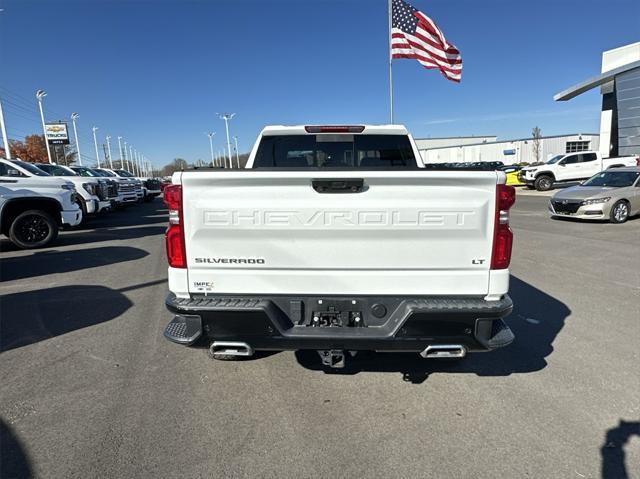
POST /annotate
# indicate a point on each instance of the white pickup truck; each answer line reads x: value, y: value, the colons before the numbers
x: 571, y: 167
x: 336, y: 239
x: 34, y: 204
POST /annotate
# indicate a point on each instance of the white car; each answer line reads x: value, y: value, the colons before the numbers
x: 571, y: 167
x: 91, y: 193
x: 34, y: 204
x: 338, y: 240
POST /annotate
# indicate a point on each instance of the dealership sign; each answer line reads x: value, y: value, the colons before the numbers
x: 57, y: 133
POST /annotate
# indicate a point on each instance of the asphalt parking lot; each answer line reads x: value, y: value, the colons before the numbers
x: 90, y: 388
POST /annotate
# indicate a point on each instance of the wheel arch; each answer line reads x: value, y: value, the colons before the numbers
x: 14, y: 206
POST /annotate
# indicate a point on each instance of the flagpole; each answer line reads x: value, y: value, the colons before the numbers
x: 390, y: 66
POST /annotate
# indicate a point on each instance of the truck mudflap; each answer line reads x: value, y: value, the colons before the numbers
x: 340, y: 323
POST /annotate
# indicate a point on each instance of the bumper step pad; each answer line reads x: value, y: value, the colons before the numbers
x: 184, y: 329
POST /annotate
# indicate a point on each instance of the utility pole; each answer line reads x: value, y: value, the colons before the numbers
x: 7, y: 151
x: 235, y: 139
x: 74, y: 117
x: 226, y: 117
x: 95, y: 142
x: 40, y: 94
x: 109, y: 150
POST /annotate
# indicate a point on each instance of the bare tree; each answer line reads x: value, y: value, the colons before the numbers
x: 536, y: 133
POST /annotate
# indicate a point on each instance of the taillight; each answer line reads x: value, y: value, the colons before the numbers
x: 334, y: 129
x: 502, y: 235
x: 176, y: 253
x: 637, y: 160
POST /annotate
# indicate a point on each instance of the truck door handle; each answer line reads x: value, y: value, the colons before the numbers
x: 339, y: 185
x: 8, y: 181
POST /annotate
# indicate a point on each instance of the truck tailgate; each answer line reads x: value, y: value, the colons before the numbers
x: 270, y: 232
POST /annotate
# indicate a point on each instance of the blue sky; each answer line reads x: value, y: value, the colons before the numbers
x: 156, y: 72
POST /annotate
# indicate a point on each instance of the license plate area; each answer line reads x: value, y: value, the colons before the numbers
x: 335, y: 314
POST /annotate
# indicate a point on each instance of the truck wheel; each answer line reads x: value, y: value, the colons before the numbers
x: 83, y: 207
x: 619, y: 212
x: 33, y: 229
x: 543, y: 183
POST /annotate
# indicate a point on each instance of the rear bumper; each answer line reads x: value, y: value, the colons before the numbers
x: 284, y: 323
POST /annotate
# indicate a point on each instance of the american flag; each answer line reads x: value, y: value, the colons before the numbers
x: 414, y: 35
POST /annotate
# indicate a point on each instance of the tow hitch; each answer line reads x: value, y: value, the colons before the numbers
x: 334, y: 358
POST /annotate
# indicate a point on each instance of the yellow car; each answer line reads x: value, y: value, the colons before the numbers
x: 512, y: 175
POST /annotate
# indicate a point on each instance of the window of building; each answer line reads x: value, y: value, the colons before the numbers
x: 574, y: 146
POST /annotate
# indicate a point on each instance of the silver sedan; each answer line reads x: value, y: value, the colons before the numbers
x: 613, y: 195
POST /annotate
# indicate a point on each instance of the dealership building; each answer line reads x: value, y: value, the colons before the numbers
x: 486, y: 148
x: 619, y: 83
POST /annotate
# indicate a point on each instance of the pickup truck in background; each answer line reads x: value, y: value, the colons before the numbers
x: 33, y: 204
x: 571, y: 167
x: 337, y: 239
x: 91, y: 192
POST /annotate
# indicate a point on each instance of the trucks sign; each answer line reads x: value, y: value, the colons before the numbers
x: 57, y: 133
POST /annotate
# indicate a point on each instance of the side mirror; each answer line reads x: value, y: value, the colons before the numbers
x: 562, y: 164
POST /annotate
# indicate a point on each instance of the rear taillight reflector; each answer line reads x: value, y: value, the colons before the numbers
x: 502, y: 235
x: 334, y: 129
x: 176, y: 252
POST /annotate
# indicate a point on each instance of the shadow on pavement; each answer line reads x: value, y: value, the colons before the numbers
x: 43, y: 262
x: 34, y: 316
x: 14, y: 461
x: 612, y: 451
x: 536, y: 320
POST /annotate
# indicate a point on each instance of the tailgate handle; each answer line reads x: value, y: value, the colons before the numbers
x: 339, y: 185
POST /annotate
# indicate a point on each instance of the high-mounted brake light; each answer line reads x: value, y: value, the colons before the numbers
x: 176, y: 253
x: 502, y: 234
x: 334, y: 129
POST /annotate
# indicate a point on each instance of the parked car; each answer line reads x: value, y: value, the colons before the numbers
x: 613, y: 194
x: 571, y: 167
x: 339, y: 240
x: 33, y: 204
x: 92, y: 195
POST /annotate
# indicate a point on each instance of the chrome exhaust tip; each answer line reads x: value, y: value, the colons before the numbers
x: 230, y: 348
x: 444, y: 351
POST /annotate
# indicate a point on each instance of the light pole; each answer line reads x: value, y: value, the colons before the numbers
x: 7, y: 152
x: 109, y: 151
x: 40, y: 94
x: 130, y: 157
x: 235, y: 139
x: 226, y: 117
x: 137, y: 164
x: 74, y: 117
x: 210, y: 135
x: 124, y: 165
x: 95, y: 142
x: 120, y: 150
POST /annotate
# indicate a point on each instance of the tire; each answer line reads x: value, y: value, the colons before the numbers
x: 619, y: 212
x: 83, y: 207
x: 33, y: 229
x: 543, y: 183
